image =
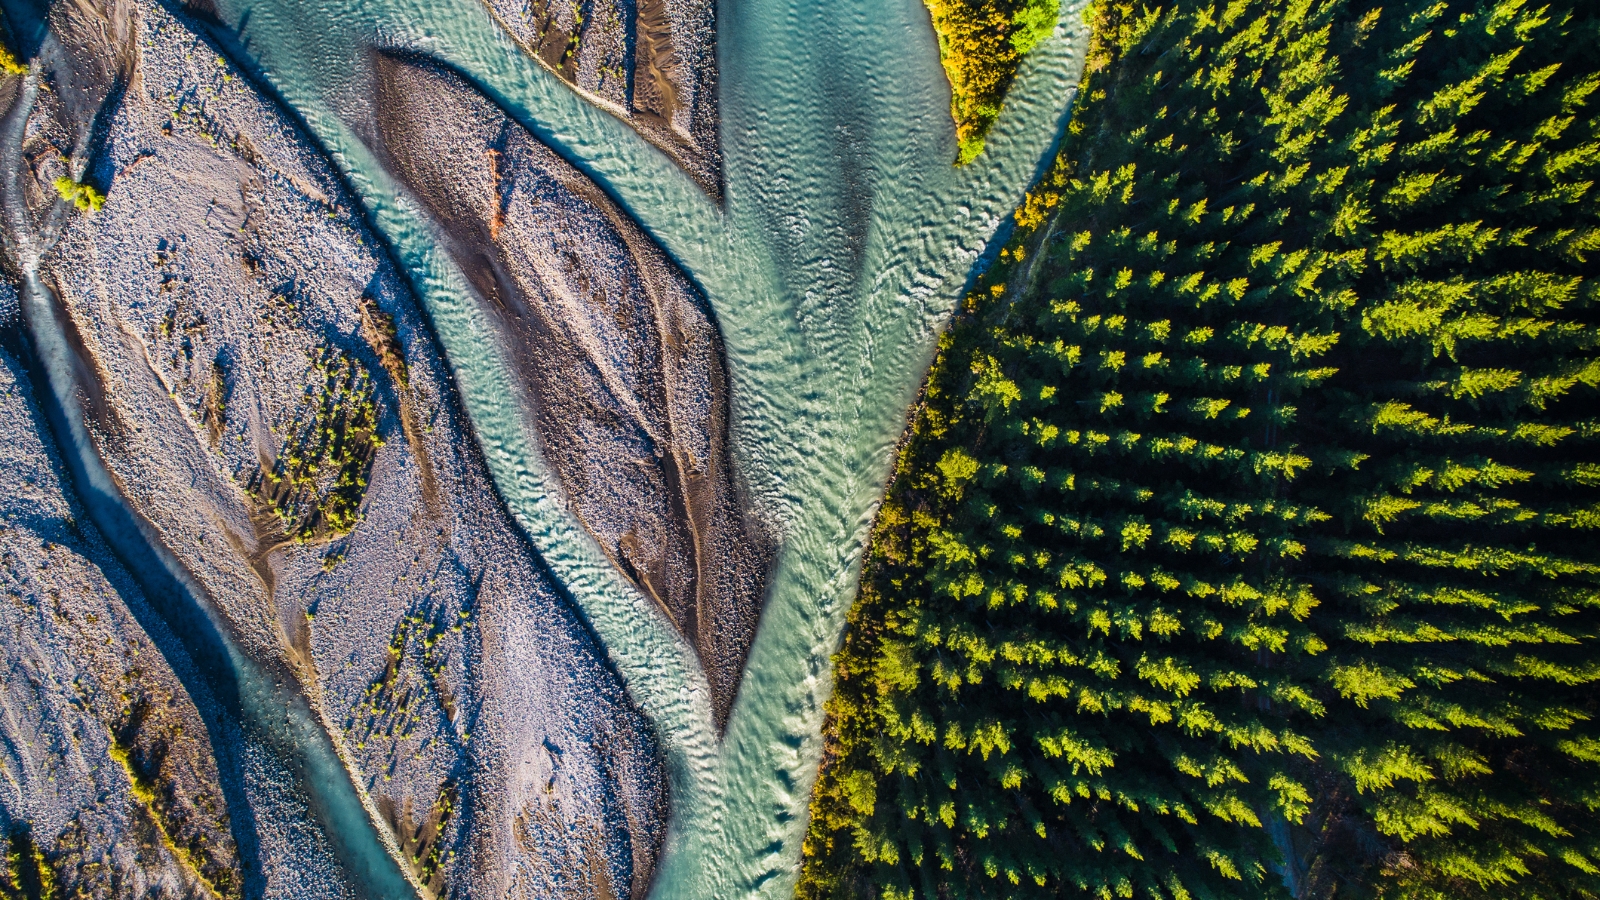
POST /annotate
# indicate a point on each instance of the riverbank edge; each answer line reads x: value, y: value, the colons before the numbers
x: 836, y: 803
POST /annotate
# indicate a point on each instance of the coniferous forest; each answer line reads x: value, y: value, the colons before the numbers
x: 1246, y: 541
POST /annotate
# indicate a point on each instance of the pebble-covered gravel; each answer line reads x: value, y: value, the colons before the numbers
x: 229, y: 294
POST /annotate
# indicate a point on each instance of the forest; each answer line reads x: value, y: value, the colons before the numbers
x: 1244, y: 540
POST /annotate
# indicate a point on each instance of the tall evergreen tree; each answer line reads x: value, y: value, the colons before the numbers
x: 1065, y: 672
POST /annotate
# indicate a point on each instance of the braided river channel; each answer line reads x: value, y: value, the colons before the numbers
x: 844, y: 241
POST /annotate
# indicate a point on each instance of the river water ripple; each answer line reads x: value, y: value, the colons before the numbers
x: 844, y: 243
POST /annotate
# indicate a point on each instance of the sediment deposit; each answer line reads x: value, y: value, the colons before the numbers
x: 618, y: 361
x: 652, y: 62
x: 107, y: 767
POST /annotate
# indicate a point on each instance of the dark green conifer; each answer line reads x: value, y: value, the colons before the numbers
x: 1455, y: 453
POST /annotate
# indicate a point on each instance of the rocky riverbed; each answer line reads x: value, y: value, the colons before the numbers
x: 263, y: 391
x: 652, y: 62
x: 617, y: 359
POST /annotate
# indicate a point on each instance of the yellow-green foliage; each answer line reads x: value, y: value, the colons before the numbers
x: 83, y: 196
x: 218, y: 880
x: 316, y: 486
x: 439, y: 816
x: 397, y: 694
x: 981, y: 43
x: 1244, y: 543
x: 29, y: 874
x: 10, y: 63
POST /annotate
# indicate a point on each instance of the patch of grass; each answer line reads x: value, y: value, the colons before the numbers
x: 29, y: 874
x: 84, y: 196
x: 217, y: 878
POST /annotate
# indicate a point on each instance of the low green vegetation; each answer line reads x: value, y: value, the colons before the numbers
x: 316, y: 485
x: 430, y: 853
x: 412, y: 682
x: 28, y: 873
x: 1244, y: 544
x: 10, y: 63
x: 84, y: 196
x: 154, y: 794
x: 981, y: 43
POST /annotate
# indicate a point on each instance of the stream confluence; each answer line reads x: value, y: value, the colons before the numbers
x: 845, y: 240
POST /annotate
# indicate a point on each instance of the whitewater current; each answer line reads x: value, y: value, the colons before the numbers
x: 845, y: 239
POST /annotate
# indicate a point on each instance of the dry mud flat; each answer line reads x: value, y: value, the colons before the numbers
x: 266, y: 395
x: 651, y: 62
x: 617, y: 361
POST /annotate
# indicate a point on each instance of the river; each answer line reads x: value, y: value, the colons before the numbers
x: 844, y: 242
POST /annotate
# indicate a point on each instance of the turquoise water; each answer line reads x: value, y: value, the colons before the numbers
x: 846, y: 239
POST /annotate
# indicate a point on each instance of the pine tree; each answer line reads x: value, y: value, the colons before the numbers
x: 1066, y: 672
